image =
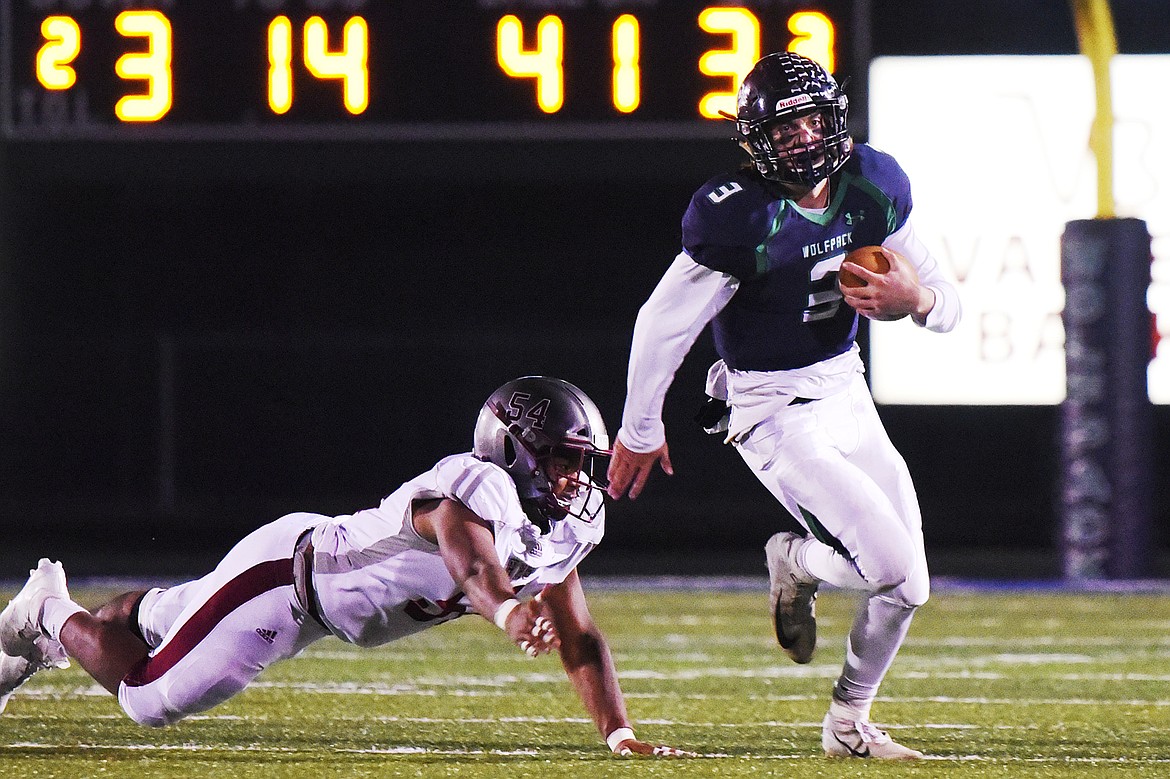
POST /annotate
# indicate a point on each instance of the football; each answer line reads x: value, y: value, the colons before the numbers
x: 868, y: 257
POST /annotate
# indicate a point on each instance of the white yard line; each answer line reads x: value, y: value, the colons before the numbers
x: 409, y: 751
x: 498, y: 689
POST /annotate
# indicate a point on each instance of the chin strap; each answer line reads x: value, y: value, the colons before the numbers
x: 532, y: 511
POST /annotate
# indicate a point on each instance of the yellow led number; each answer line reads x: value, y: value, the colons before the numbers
x: 152, y: 66
x: 62, y: 45
x: 734, y: 63
x: 542, y: 63
x: 627, y: 75
x: 350, y: 64
x: 815, y: 37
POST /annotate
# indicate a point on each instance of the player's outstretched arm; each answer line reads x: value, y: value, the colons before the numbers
x: 468, y: 549
x: 589, y: 666
x: 632, y: 469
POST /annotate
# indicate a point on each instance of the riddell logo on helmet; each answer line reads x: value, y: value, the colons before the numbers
x: 790, y: 102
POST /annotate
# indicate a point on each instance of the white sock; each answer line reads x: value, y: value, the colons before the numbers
x: 849, y: 711
x: 54, y: 613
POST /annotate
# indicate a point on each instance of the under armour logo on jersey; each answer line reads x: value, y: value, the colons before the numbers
x: 851, y: 219
x: 266, y: 634
x: 724, y: 192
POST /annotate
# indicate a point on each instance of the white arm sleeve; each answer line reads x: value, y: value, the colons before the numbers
x: 947, y: 309
x: 685, y: 300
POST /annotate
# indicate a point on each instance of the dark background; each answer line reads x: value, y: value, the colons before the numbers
x: 198, y: 337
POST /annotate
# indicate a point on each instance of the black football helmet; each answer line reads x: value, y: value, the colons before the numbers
x: 780, y: 88
x: 529, y: 425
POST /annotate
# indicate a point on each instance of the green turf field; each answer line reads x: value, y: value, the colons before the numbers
x: 988, y: 684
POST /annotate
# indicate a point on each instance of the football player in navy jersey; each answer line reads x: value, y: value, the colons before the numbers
x: 497, y: 531
x: 762, y: 248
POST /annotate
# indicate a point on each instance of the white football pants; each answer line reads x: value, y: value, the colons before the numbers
x: 219, y: 632
x: 832, y: 465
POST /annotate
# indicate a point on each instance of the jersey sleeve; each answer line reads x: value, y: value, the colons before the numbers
x: 884, y: 172
x: 720, y: 227
x: 687, y: 297
x: 484, y: 488
x: 947, y: 307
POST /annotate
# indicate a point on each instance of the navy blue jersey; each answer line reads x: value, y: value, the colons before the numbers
x: 788, y: 312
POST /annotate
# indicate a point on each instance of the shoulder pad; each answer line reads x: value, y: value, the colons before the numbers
x: 727, y: 218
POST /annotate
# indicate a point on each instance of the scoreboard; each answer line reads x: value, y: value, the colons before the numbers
x: 395, y: 69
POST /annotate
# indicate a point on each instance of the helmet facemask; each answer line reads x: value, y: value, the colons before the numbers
x: 570, y: 482
x: 804, y: 164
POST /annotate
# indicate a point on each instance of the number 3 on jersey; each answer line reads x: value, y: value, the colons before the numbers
x: 825, y: 299
x: 724, y: 192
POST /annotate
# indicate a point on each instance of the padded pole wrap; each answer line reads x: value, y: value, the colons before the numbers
x: 1106, y: 489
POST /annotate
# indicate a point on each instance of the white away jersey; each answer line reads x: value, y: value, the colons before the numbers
x: 378, y: 580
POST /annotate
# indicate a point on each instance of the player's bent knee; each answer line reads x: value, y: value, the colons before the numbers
x: 147, y: 708
x: 154, y: 718
x: 889, y: 573
x: 911, y: 593
x: 916, y: 590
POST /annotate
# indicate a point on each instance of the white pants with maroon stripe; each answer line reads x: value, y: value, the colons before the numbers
x: 220, y: 631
